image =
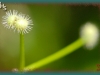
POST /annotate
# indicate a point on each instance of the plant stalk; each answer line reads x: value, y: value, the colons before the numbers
x: 61, y: 53
x: 22, y: 53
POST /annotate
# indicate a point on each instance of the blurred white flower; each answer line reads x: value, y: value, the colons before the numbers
x: 17, y: 21
x: 90, y: 35
x: 15, y: 70
x: 23, y: 24
x: 9, y: 19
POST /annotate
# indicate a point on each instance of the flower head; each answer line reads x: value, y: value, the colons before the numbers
x: 10, y: 18
x: 23, y: 24
x: 17, y: 21
x: 90, y: 34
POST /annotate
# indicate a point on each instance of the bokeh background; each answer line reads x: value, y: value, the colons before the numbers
x: 55, y: 26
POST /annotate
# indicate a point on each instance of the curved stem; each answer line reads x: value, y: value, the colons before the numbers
x: 22, y: 53
x: 65, y: 51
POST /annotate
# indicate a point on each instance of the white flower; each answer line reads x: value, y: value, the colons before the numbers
x: 23, y: 24
x: 10, y: 18
x: 90, y: 34
x: 17, y: 21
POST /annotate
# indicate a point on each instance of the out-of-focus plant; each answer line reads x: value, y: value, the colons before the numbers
x: 89, y: 35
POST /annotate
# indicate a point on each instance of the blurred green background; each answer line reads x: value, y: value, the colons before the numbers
x: 55, y: 26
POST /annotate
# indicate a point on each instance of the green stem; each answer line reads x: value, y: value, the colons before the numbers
x: 65, y: 51
x: 22, y: 53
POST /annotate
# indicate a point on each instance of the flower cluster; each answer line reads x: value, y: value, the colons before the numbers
x: 17, y: 21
